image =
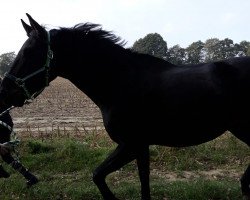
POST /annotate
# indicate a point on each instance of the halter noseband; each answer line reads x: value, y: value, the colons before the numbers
x: 20, y: 82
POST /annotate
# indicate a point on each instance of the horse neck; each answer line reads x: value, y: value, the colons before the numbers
x: 103, y: 70
x: 94, y: 71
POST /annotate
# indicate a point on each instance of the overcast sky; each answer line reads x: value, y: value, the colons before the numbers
x: 178, y: 21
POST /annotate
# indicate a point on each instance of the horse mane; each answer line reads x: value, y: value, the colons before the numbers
x: 95, y: 31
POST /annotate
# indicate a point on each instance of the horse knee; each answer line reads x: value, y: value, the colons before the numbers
x: 97, y: 177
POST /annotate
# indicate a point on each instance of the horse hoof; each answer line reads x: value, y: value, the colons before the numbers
x: 32, y: 181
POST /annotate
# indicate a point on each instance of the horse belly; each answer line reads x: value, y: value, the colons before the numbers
x: 162, y: 127
x: 185, y: 134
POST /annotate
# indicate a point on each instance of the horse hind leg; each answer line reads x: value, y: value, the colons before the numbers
x: 244, y: 135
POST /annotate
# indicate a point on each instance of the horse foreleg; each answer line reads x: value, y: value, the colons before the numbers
x: 144, y: 171
x: 121, y: 156
x: 245, y: 183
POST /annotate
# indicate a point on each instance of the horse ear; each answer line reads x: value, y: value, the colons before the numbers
x: 35, y: 26
x: 27, y: 28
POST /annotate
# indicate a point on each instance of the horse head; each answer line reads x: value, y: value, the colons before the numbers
x: 29, y: 73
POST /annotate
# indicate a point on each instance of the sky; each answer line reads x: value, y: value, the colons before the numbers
x: 177, y: 21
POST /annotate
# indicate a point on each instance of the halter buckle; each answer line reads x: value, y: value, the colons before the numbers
x: 50, y: 54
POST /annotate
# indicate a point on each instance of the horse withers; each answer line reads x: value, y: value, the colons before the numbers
x: 144, y: 100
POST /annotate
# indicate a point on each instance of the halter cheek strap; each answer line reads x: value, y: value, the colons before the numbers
x: 20, y: 82
x: 48, y: 59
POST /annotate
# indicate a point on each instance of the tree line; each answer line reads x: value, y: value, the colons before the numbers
x: 6, y: 60
x: 198, y: 52
x: 153, y: 44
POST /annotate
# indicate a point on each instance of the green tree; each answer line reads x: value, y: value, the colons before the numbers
x: 242, y: 48
x: 152, y: 44
x: 195, y: 53
x: 227, y: 49
x: 6, y: 60
x: 176, y: 55
x: 212, y: 49
x: 215, y: 49
x: 248, y: 52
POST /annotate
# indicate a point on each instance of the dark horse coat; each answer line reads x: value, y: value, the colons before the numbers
x: 144, y: 100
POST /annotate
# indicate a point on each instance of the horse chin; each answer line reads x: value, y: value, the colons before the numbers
x: 18, y: 103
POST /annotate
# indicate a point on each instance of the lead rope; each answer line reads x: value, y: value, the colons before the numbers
x: 14, y: 142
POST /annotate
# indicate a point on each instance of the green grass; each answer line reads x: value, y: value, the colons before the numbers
x: 225, y: 152
x: 64, y: 167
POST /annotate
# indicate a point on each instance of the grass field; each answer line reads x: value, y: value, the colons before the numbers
x: 63, y: 141
x: 64, y: 165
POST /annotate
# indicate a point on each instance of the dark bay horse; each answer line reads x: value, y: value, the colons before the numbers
x: 143, y: 100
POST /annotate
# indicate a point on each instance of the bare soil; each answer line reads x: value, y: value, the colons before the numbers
x: 60, y: 106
